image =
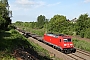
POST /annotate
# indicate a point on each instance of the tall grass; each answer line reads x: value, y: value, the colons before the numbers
x: 82, y: 44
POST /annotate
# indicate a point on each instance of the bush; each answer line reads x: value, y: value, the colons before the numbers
x: 68, y: 32
x: 82, y: 34
x: 13, y: 31
x: 65, y: 32
x: 11, y: 27
x: 87, y: 33
x: 82, y: 44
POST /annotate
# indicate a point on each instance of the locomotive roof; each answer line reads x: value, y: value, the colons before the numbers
x: 52, y: 34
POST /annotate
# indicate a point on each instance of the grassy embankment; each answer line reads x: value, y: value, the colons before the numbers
x: 11, y: 40
x: 78, y: 43
x: 82, y: 44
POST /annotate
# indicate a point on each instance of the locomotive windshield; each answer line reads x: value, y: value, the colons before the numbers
x: 67, y: 40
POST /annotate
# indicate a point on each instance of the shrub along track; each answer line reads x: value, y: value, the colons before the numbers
x: 79, y: 55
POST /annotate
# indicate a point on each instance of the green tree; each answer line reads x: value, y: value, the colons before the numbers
x: 56, y: 23
x: 81, y: 24
x: 4, y: 16
x: 41, y: 21
x: 87, y: 33
x: 2, y: 23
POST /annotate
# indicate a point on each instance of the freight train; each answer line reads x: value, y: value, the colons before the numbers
x: 60, y: 41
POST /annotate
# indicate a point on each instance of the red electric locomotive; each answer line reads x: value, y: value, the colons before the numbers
x: 60, y: 41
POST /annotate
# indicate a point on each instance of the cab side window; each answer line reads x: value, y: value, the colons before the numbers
x: 60, y: 40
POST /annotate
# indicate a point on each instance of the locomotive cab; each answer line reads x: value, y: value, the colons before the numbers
x: 67, y: 43
x: 68, y: 46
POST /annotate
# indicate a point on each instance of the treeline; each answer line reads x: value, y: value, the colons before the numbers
x: 60, y: 24
x: 4, y: 17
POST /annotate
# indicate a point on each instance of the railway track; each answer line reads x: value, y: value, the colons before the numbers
x: 75, y: 57
x: 79, y: 55
x: 83, y: 52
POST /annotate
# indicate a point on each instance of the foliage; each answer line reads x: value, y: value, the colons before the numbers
x: 60, y: 24
x: 3, y: 10
x: 11, y: 40
x: 41, y: 21
x: 2, y: 23
x: 11, y: 27
x: 82, y: 44
x: 33, y: 25
x: 82, y: 34
x: 87, y: 33
x: 26, y: 24
x: 82, y: 25
x: 4, y: 18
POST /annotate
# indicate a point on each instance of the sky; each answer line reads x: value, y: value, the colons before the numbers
x: 29, y: 10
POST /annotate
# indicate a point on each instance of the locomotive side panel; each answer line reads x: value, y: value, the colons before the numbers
x: 46, y: 38
x: 54, y: 41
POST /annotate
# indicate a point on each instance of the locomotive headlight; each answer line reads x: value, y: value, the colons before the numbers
x: 65, y: 44
x: 71, y: 44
